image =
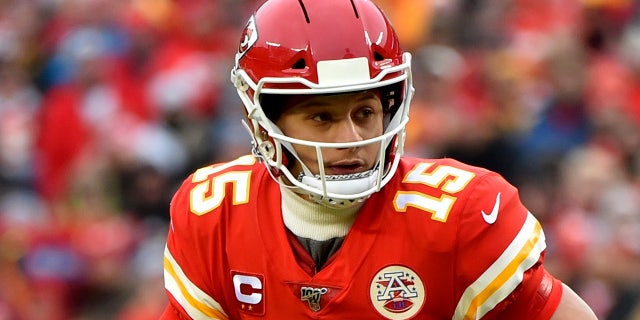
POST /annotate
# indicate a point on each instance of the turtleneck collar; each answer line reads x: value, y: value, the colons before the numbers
x: 314, y: 221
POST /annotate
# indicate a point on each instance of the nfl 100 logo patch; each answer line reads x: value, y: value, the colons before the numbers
x: 312, y: 296
x: 397, y: 292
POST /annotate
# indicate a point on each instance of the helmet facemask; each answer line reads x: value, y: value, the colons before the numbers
x: 277, y: 150
x: 327, y: 47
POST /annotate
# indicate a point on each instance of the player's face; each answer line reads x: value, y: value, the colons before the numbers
x: 335, y: 118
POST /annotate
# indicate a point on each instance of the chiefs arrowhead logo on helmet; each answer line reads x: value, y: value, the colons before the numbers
x: 249, y: 36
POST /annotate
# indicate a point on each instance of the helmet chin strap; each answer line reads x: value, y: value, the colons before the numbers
x: 340, y: 184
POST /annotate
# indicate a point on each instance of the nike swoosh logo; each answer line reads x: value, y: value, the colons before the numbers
x: 493, y: 216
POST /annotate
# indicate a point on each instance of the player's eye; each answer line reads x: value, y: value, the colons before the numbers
x: 321, y: 117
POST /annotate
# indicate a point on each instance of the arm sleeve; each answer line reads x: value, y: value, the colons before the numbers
x: 170, y: 313
x: 537, y: 296
x: 499, y: 258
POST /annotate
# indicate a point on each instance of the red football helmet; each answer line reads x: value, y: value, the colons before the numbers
x: 323, y: 47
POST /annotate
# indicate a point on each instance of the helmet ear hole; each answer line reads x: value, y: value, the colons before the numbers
x: 377, y: 56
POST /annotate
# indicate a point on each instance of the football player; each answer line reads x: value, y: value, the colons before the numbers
x: 326, y: 219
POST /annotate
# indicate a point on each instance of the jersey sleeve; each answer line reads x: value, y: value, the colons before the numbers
x: 187, y: 280
x: 500, y: 252
x: 171, y: 313
x: 537, y: 297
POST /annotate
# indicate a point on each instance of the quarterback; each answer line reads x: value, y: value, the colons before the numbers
x: 327, y: 219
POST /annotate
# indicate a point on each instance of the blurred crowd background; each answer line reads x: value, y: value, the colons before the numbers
x: 107, y: 105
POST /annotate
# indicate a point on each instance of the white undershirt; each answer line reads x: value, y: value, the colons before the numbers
x: 314, y: 221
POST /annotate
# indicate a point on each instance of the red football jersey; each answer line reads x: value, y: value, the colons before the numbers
x: 442, y: 240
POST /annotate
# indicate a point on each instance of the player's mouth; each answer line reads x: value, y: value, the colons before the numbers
x: 345, y: 167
